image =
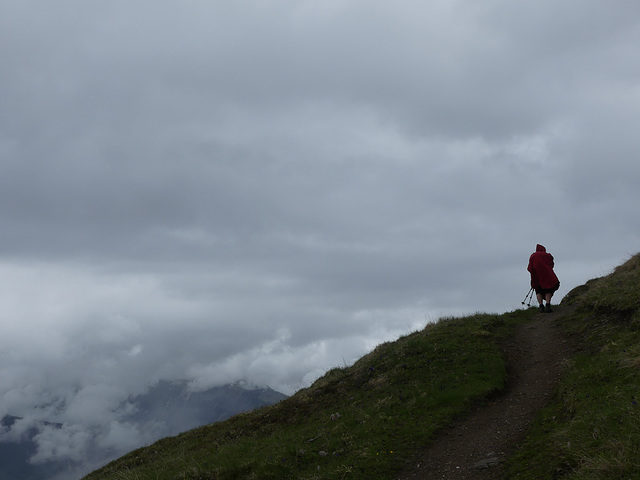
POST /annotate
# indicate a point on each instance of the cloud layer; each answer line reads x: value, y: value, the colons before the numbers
x: 263, y: 191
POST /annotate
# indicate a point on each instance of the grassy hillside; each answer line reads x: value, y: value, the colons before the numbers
x: 592, y: 429
x: 368, y: 420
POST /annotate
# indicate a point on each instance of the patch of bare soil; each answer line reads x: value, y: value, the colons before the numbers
x: 475, y: 448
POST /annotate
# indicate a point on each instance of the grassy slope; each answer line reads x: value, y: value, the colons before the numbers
x: 394, y: 400
x: 592, y: 429
x: 390, y: 404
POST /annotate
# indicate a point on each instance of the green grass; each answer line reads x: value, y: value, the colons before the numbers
x: 592, y: 428
x: 360, y: 422
x: 395, y: 400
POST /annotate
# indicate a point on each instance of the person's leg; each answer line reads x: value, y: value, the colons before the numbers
x: 548, y: 299
x: 540, y: 298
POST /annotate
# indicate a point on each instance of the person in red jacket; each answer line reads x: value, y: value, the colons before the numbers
x: 543, y: 278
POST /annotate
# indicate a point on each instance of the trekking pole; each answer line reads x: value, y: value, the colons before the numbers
x: 525, y: 297
x: 530, y: 295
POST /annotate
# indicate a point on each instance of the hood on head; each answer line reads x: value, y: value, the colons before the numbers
x: 540, y: 248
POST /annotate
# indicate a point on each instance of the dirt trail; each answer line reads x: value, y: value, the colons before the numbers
x: 476, y: 447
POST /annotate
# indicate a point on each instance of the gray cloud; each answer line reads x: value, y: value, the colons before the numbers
x: 255, y: 191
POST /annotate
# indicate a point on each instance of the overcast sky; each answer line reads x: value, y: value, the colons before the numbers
x: 263, y: 190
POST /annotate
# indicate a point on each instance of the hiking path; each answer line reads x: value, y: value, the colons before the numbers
x: 476, y: 447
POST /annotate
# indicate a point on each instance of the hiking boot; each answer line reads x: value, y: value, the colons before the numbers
x: 548, y: 308
x: 542, y: 308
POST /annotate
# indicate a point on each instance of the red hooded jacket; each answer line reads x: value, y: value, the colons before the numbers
x: 541, y: 269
